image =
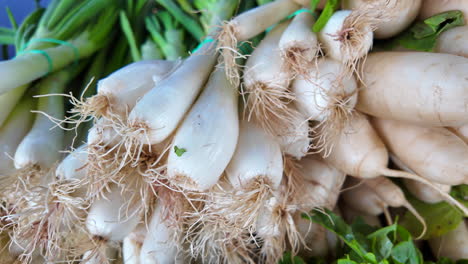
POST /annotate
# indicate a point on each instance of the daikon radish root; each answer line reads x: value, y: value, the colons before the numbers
x: 348, y: 35
x: 158, y: 112
x: 298, y: 44
x: 276, y: 229
x: 362, y: 198
x: 424, y: 193
x: 393, y: 196
x: 360, y: 152
x: 230, y: 211
x: 131, y: 245
x: 433, y: 7
x: 160, y: 244
x: 433, y: 153
x: 112, y: 217
x: 400, y: 15
x: 315, y: 237
x: 12, y: 132
x: 119, y: 92
x: 266, y: 85
x: 207, y: 138
x: 452, y: 245
x: 462, y: 132
x: 351, y: 214
x: 420, y: 190
x: 436, y: 101
x: 246, y: 26
x: 322, y: 181
x: 327, y: 96
x: 452, y: 41
x: 296, y: 141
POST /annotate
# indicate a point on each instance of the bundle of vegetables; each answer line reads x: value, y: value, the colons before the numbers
x: 236, y: 132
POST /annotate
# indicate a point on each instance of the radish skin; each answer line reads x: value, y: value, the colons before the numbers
x: 433, y: 153
x: 73, y: 166
x: 453, y: 41
x: 327, y: 96
x: 208, y: 134
x: 266, y: 84
x: 118, y: 93
x: 362, y: 198
x: 298, y: 44
x: 351, y: 214
x: 159, y: 245
x: 347, y: 36
x: 433, y: 7
x: 159, y: 111
x: 436, y: 101
x: 452, y: 245
x: 296, y: 142
x: 246, y: 26
x: 359, y: 152
x: 108, y: 219
x: 461, y: 132
x: 400, y: 15
x: 131, y: 246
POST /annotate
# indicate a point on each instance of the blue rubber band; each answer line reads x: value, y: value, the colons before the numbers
x: 206, y: 40
x: 43, y: 53
x: 295, y: 13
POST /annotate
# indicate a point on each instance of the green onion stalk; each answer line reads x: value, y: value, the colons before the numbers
x: 78, y: 27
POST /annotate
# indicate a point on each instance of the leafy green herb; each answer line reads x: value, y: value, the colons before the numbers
x: 330, y: 7
x: 389, y: 245
x: 422, y: 36
x: 440, y: 218
x: 179, y: 151
x: 288, y: 258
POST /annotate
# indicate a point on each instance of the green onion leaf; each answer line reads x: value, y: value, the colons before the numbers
x: 179, y: 151
x: 330, y: 7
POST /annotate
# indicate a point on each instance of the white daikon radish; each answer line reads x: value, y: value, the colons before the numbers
x: 131, y: 246
x: 328, y: 96
x: 362, y: 198
x: 314, y: 235
x: 206, y: 140
x: 433, y: 153
x: 421, y: 191
x: 112, y: 218
x: 348, y: 35
x: 266, y: 85
x: 159, y: 111
x: 462, y: 132
x: 160, y: 244
x: 246, y: 26
x: 322, y: 183
x: 452, y: 245
x: 360, y: 152
x: 298, y: 44
x: 119, y: 92
x: 350, y: 215
x: 296, y: 141
x: 400, y: 14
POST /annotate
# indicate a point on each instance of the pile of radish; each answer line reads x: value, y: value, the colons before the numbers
x: 214, y: 157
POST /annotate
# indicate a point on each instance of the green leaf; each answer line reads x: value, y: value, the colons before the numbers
x: 422, y: 36
x: 190, y: 24
x: 179, y: 151
x: 14, y: 24
x: 406, y: 253
x: 288, y: 258
x: 330, y: 7
x: 440, y: 218
x: 347, y: 261
x: 337, y: 225
x: 313, y: 5
x: 460, y: 193
x: 127, y: 29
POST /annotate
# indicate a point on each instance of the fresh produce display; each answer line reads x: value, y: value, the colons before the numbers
x: 235, y: 131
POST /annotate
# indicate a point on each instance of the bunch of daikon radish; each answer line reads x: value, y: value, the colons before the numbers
x: 213, y: 158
